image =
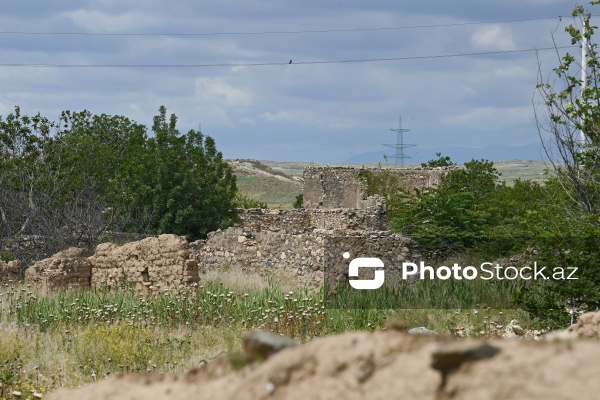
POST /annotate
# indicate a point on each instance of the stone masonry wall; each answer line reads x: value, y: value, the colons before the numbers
x: 306, y: 220
x: 392, y: 249
x: 340, y: 187
x: 265, y: 253
x: 311, y: 257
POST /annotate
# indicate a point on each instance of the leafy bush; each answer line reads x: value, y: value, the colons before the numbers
x: 454, y: 216
x: 299, y: 201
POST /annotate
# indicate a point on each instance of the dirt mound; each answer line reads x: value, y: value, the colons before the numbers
x: 382, y: 365
x: 587, y: 326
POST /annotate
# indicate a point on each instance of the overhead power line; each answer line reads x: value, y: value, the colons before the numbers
x: 264, y: 64
x: 276, y: 32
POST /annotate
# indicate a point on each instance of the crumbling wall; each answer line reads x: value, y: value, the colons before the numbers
x: 10, y: 271
x: 260, y: 219
x: 333, y: 187
x: 391, y: 248
x: 152, y: 264
x: 68, y: 269
x: 306, y: 220
x: 340, y: 187
x: 311, y: 257
x: 264, y: 252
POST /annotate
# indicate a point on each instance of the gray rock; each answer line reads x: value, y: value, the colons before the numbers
x: 421, y: 330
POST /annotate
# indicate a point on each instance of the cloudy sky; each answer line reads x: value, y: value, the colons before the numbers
x: 357, y: 66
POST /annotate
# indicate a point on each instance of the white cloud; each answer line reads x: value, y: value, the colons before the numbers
x: 493, y: 37
x: 513, y: 72
x: 97, y: 21
x: 306, y: 117
x: 219, y: 91
x: 490, y: 117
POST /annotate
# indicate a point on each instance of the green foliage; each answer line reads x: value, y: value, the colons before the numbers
x: 6, y: 256
x: 243, y: 201
x: 386, y: 183
x: 453, y: 217
x: 299, y: 201
x: 442, y: 161
x: 192, y: 188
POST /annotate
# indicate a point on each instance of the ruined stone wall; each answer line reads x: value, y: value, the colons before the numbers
x: 306, y: 220
x: 10, y: 271
x: 169, y: 262
x: 310, y: 257
x: 260, y: 219
x: 333, y: 187
x: 340, y: 187
x: 392, y: 249
x: 68, y: 269
x: 152, y: 264
x: 264, y: 252
x: 307, y: 244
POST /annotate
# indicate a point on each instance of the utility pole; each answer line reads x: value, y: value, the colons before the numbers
x: 400, y: 156
x: 584, y: 45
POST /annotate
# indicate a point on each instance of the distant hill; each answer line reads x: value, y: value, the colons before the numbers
x: 459, y: 155
x: 261, y: 182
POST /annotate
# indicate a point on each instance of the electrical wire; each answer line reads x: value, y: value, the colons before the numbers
x: 265, y: 64
x: 277, y: 32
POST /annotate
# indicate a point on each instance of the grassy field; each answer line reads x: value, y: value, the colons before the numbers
x: 276, y: 193
x: 513, y: 170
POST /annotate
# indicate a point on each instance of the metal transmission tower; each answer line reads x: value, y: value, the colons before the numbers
x: 400, y: 156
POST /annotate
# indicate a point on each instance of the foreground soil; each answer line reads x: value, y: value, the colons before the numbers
x: 383, y: 365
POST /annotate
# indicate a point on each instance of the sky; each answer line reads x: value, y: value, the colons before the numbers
x: 356, y: 68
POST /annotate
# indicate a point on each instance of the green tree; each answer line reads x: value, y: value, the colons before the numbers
x: 193, y: 188
x: 569, y: 127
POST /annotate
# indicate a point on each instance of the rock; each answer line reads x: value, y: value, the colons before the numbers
x: 421, y: 330
x: 587, y: 326
x: 261, y: 344
x: 518, y: 330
